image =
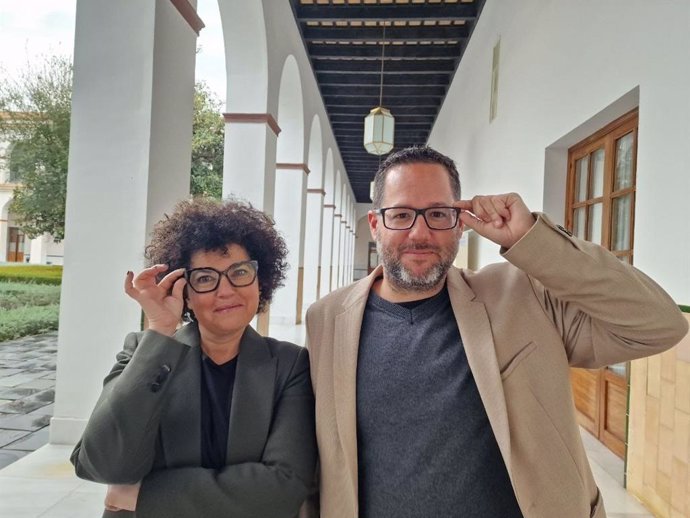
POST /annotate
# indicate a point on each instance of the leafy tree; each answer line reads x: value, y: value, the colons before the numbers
x: 35, y: 117
x: 207, y: 144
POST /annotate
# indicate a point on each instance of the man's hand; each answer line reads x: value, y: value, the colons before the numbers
x: 502, y: 218
x: 163, y: 302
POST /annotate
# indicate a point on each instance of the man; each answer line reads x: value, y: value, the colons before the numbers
x: 445, y: 393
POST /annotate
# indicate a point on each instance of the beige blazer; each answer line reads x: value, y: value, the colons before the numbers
x: 557, y: 302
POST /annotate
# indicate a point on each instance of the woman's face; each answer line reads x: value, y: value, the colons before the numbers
x: 227, y: 310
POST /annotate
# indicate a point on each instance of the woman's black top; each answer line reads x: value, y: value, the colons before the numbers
x: 216, y: 399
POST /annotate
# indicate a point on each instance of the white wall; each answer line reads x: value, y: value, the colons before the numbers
x: 567, y: 67
x: 362, y: 247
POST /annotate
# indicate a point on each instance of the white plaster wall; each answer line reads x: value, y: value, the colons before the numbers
x: 562, y: 64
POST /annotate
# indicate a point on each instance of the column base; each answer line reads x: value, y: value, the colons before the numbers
x: 66, y: 430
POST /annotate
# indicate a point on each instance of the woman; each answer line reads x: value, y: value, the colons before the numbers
x: 209, y: 419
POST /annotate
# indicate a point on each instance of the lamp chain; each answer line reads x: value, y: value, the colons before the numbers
x: 383, y: 49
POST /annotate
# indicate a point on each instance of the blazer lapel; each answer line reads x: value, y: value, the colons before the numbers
x: 252, y: 399
x: 348, y: 325
x: 181, y: 419
x: 475, y: 330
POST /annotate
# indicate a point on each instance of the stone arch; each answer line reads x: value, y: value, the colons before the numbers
x: 246, y: 55
x: 290, y: 114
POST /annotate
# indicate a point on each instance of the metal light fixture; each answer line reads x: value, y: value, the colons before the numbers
x: 379, y: 125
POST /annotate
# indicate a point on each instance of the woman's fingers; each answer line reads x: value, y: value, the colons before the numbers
x: 134, y: 285
x: 148, y: 275
x: 129, y: 286
x: 178, y: 288
x: 168, y: 281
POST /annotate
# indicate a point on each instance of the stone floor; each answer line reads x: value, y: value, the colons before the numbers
x: 42, y: 484
x: 27, y: 392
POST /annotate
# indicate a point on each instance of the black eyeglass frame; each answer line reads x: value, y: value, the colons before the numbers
x: 417, y: 212
x: 253, y: 262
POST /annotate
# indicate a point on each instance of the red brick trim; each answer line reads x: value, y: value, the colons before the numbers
x: 253, y: 118
x: 188, y: 12
x: 284, y: 165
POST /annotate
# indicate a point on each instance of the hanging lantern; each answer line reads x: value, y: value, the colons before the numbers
x: 379, y: 125
x: 379, y: 130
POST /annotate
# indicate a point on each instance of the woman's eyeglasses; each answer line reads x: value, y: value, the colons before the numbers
x: 204, y: 280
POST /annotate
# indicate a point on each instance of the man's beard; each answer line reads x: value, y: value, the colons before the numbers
x: 403, y: 279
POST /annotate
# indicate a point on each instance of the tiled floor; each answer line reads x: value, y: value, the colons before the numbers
x: 27, y: 391
x: 42, y: 483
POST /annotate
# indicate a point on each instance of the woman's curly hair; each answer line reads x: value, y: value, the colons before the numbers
x: 205, y: 224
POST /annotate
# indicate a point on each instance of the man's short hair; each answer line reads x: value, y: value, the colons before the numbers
x: 414, y: 155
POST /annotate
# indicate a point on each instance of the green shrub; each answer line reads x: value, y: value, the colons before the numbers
x: 28, y: 320
x: 17, y: 294
x: 684, y: 309
x: 39, y: 274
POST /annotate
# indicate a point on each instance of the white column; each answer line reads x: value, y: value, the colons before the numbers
x: 312, y: 247
x: 343, y: 250
x: 327, y: 249
x: 249, y: 160
x: 290, y: 213
x: 5, y: 199
x: 337, y: 241
x: 348, y: 247
x: 39, y: 250
x: 129, y: 162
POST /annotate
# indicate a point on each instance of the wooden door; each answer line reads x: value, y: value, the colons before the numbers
x: 601, y: 208
x: 601, y: 399
x: 15, y: 247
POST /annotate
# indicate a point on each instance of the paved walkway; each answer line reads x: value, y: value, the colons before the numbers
x: 43, y: 484
x: 27, y: 392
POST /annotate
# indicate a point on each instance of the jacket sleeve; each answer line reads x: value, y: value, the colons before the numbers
x: 274, y: 487
x: 606, y: 311
x: 118, y: 444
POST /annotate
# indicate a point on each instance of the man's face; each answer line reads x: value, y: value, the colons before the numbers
x: 419, y: 258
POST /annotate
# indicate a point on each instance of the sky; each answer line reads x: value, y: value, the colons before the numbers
x: 32, y: 28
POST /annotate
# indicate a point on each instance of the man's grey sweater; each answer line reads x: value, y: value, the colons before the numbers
x: 425, y: 446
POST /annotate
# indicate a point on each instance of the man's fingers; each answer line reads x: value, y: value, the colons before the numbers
x: 484, y: 209
x: 472, y: 222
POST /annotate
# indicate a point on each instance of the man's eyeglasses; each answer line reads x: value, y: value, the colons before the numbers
x: 204, y: 280
x: 403, y: 218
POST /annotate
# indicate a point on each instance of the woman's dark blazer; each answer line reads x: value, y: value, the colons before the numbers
x: 146, y: 426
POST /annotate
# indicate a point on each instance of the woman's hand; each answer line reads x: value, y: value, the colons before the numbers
x: 122, y: 497
x: 163, y: 302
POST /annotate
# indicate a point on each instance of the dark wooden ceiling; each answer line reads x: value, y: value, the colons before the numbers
x: 424, y: 41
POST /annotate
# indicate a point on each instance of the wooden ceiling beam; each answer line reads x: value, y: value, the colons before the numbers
x: 409, y: 33
x: 391, y: 51
x: 374, y: 66
x: 387, y: 12
x: 389, y: 79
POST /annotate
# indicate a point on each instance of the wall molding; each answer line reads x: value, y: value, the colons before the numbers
x: 317, y: 191
x: 188, y: 12
x: 293, y: 166
x: 253, y: 118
